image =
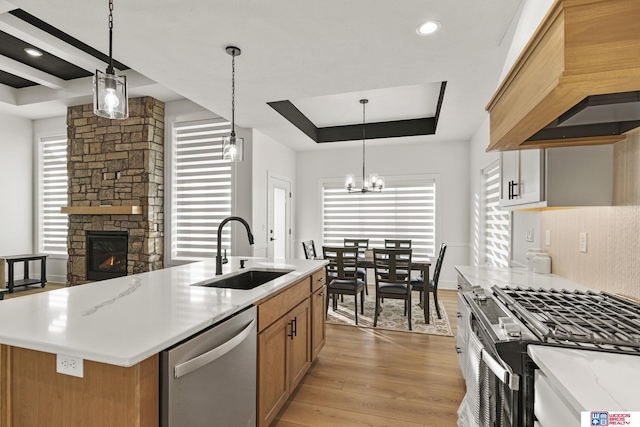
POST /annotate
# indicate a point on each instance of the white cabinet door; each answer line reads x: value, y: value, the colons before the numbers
x: 508, y: 176
x: 530, y: 187
x: 521, y: 177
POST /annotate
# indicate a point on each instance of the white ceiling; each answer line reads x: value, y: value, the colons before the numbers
x: 297, y: 50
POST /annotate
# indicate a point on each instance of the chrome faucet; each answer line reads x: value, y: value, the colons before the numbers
x: 219, y: 242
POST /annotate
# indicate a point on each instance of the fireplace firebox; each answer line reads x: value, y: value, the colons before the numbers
x: 106, y: 254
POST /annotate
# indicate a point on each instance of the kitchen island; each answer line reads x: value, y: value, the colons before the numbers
x: 117, y: 327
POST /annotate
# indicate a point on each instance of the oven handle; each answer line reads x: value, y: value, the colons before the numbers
x: 504, y: 374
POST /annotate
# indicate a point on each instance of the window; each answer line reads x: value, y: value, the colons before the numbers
x: 52, y: 183
x: 497, y: 224
x: 405, y: 209
x: 201, y: 189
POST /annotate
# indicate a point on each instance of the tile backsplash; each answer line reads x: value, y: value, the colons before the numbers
x: 612, y: 260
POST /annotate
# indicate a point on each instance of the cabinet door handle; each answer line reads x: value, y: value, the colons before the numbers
x: 513, y: 190
x: 291, y: 335
x: 321, y: 294
x: 294, y: 327
x: 458, y: 350
x: 321, y: 279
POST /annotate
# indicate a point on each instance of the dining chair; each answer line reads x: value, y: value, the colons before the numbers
x: 343, y: 273
x: 362, y: 245
x: 397, y: 244
x: 393, y: 278
x: 309, y: 249
x: 418, y: 284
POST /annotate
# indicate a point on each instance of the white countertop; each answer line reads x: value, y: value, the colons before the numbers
x: 125, y: 320
x: 591, y: 380
x: 487, y: 277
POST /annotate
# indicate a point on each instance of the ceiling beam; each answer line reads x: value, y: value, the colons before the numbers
x: 8, y: 95
x: 49, y: 43
x: 21, y: 70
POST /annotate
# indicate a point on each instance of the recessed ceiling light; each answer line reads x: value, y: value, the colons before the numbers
x: 428, y: 27
x: 33, y: 52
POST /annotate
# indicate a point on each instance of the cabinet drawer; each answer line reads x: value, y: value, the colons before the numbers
x: 550, y: 408
x: 318, y: 280
x: 274, y: 308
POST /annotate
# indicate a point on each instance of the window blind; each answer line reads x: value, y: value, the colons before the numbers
x: 201, y: 189
x: 405, y: 209
x: 497, y: 224
x: 53, y: 195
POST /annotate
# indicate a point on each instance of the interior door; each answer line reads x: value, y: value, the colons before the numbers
x: 279, y: 217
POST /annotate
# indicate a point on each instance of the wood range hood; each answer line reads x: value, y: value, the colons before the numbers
x: 576, y: 81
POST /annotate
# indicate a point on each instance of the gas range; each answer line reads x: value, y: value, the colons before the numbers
x: 500, y: 323
x: 587, y: 320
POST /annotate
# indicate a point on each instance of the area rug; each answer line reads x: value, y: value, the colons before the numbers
x: 392, y: 316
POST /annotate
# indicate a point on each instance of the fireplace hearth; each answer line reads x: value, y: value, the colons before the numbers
x: 106, y: 254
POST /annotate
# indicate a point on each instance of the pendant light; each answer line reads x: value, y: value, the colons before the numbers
x: 231, y: 145
x: 110, y: 91
x: 375, y: 182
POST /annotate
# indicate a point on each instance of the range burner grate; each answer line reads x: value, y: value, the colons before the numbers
x: 583, y: 319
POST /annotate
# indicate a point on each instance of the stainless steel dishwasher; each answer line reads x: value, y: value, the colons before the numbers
x: 210, y: 379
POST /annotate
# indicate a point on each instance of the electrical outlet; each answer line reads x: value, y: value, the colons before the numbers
x: 529, y: 236
x: 547, y: 237
x: 583, y: 241
x: 70, y: 365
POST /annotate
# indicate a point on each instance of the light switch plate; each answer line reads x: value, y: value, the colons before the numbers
x: 583, y: 241
x: 547, y: 237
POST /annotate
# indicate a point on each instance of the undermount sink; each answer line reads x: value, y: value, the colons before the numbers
x: 246, y: 280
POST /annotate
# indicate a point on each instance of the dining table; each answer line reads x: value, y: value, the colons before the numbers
x: 421, y: 264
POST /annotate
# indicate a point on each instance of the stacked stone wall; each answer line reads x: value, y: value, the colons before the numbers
x: 117, y: 163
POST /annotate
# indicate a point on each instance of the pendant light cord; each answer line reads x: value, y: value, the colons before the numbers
x: 233, y: 93
x: 363, y: 102
x: 110, y: 68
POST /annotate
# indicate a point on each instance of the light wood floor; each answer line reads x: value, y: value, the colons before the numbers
x: 366, y: 377
x: 32, y: 289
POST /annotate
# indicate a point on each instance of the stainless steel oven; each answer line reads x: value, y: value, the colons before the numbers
x: 496, y: 328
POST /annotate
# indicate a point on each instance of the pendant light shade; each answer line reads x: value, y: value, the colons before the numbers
x: 375, y: 182
x: 232, y: 146
x: 110, y: 91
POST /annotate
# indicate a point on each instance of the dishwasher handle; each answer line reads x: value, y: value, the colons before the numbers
x: 216, y: 353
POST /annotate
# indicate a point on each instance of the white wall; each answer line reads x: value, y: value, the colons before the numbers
x: 269, y: 157
x: 16, y: 191
x: 529, y: 16
x: 448, y: 160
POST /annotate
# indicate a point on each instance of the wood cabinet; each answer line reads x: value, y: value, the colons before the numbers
x: 291, y: 333
x: 581, y: 48
x: 318, y: 311
x: 284, y: 356
x: 557, y: 177
x: 32, y: 394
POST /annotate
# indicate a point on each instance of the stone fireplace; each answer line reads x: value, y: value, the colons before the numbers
x: 116, y: 184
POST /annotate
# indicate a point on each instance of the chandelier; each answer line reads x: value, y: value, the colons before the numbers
x: 231, y: 145
x: 375, y: 182
x: 110, y: 91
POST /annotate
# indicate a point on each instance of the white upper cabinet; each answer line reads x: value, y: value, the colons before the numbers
x: 521, y: 177
x: 557, y: 177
